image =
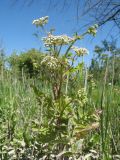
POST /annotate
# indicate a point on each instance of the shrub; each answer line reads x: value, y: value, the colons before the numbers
x: 27, y: 62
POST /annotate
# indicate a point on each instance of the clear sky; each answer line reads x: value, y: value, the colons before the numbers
x: 16, y: 29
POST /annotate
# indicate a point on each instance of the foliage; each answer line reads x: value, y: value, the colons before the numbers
x: 107, y: 55
x: 26, y: 62
x: 2, y: 59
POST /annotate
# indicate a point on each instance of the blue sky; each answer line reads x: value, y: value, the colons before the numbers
x: 16, y: 29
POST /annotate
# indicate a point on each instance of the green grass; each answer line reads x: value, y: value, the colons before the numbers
x: 19, y: 109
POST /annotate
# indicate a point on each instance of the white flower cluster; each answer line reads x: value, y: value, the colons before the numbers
x: 80, y: 51
x: 56, y: 40
x: 41, y: 21
x: 50, y: 62
x: 93, y: 30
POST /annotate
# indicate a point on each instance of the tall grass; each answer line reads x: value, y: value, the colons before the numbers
x: 19, y: 109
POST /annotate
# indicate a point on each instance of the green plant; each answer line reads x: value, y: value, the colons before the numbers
x: 27, y: 63
x: 65, y: 122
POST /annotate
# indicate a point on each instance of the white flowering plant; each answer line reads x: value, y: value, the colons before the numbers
x: 41, y: 21
x: 64, y: 112
x: 56, y: 62
x: 53, y: 123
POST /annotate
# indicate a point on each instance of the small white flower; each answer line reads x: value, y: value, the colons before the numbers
x: 56, y: 40
x: 41, y: 21
x: 50, y: 62
x: 80, y: 51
